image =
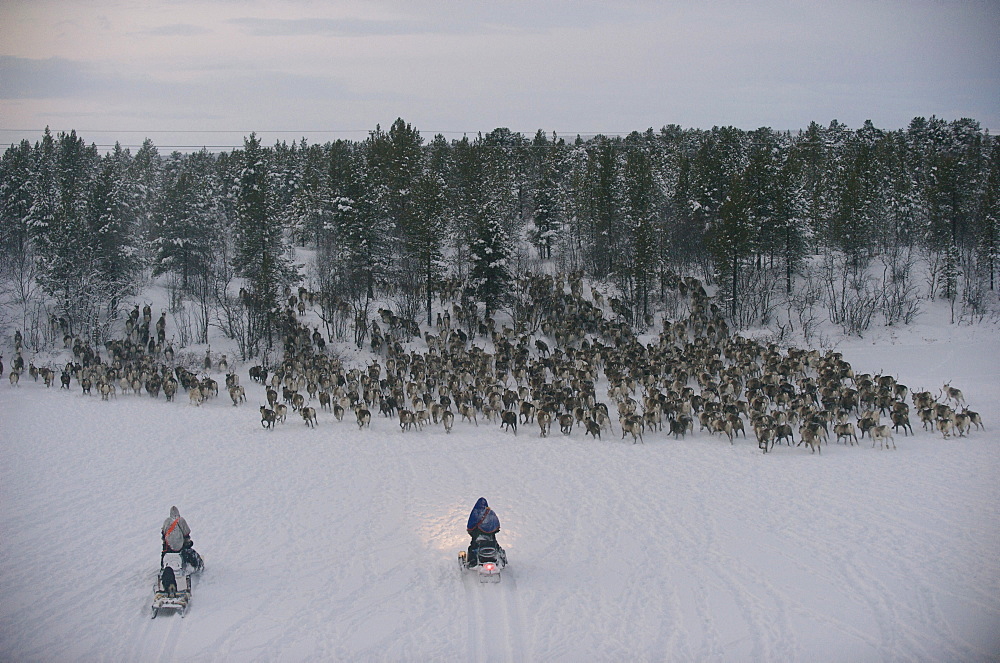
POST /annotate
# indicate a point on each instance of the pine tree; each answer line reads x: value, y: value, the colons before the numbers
x: 188, y: 233
x: 146, y: 173
x: 65, y: 247
x: 17, y: 250
x: 640, y: 217
x: 309, y: 208
x: 600, y: 206
x: 490, y: 256
x: 548, y: 212
x: 111, y: 223
x: 260, y: 251
x: 424, y: 233
x: 988, y: 230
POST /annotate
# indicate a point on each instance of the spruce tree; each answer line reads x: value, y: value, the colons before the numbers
x: 260, y: 250
x: 112, y: 226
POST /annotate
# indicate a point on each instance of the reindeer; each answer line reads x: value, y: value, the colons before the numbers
x: 267, y: 417
x: 364, y: 417
x: 324, y: 400
x: 810, y: 435
x: 447, y: 420
x: 945, y: 425
x: 883, y: 435
x: 901, y: 420
x: 720, y: 425
x: 784, y: 432
x: 846, y: 431
x: 437, y: 410
x: 544, y: 420
x: 508, y: 420
x: 953, y: 395
x: 593, y: 428
x: 599, y: 414
x: 765, y: 437
x: 922, y: 399
x: 632, y: 424
x: 974, y: 418
x: 866, y: 423
x: 238, y: 394
x: 737, y: 424
x: 309, y: 416
x: 680, y: 425
x: 281, y: 412
x: 468, y: 412
x: 962, y: 423
x: 566, y: 424
x: 209, y: 387
x: 195, y: 396
x: 338, y: 411
x: 926, y: 415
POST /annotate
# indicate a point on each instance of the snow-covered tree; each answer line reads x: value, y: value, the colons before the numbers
x: 260, y: 257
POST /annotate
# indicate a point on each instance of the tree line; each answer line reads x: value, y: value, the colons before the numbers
x: 789, y: 227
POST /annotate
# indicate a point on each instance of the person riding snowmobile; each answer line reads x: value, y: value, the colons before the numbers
x: 176, y: 537
x: 482, y: 527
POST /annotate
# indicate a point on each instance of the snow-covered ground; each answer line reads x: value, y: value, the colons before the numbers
x: 340, y: 544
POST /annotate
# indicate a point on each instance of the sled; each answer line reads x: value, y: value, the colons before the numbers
x: 173, y: 597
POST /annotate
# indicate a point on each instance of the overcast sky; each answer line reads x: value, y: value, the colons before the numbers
x: 208, y: 72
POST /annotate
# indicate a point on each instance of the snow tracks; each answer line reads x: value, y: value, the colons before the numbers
x: 495, y: 624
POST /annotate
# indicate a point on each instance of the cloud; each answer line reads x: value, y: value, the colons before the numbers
x: 49, y: 78
x: 174, y: 30
x: 338, y: 27
x: 417, y: 17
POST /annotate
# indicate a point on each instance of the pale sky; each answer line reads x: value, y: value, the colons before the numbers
x: 208, y: 72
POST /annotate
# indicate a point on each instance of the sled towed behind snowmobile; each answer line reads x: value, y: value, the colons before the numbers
x: 172, y: 590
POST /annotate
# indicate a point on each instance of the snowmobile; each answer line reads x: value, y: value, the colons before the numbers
x: 172, y: 590
x: 485, y: 555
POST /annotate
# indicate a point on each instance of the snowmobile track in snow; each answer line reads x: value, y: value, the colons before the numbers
x: 495, y: 632
x: 159, y: 638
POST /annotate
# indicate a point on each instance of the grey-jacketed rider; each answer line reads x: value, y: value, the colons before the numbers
x: 175, y: 531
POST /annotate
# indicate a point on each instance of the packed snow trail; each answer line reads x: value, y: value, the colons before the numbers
x: 335, y: 544
x: 495, y: 623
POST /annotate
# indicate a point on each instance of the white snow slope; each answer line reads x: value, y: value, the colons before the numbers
x: 340, y: 544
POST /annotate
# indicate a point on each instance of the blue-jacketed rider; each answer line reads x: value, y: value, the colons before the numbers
x: 483, y: 526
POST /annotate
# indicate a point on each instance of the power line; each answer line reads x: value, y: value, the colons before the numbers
x: 314, y: 131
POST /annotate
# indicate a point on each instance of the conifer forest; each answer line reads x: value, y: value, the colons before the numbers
x: 789, y: 229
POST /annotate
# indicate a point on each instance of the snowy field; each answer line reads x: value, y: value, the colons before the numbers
x: 334, y: 544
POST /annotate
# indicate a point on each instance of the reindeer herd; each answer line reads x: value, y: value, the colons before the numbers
x: 138, y: 363
x: 545, y: 372
x: 542, y: 371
